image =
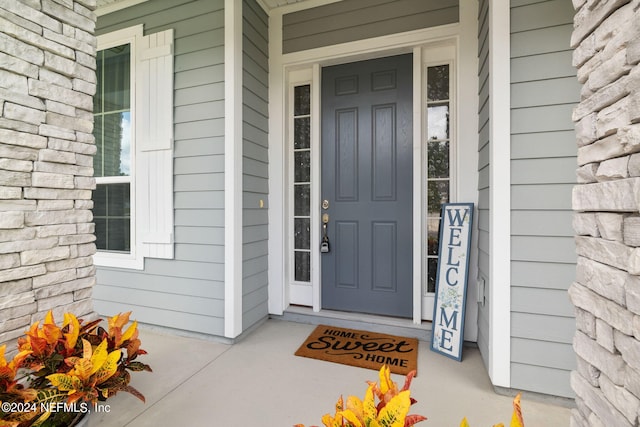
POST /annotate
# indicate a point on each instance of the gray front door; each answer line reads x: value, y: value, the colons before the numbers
x: 367, y: 180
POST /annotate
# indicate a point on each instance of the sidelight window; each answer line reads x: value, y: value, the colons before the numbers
x: 438, y: 149
x: 302, y: 183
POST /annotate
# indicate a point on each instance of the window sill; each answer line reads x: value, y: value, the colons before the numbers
x: 128, y: 261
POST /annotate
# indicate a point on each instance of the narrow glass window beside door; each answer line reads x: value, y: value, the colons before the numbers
x: 113, y: 162
x: 438, y: 161
x: 302, y: 183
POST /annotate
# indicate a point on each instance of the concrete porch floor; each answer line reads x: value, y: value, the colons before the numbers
x: 259, y: 382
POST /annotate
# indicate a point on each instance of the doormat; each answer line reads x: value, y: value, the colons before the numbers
x: 362, y: 349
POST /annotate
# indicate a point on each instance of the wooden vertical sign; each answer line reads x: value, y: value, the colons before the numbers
x: 451, y: 279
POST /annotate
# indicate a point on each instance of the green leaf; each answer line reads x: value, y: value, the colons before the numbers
x: 65, y: 382
x: 138, y: 367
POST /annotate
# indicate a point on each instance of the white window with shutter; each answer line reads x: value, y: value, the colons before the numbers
x: 133, y: 166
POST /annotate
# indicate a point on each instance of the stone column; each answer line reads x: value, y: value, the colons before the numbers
x: 47, y: 83
x: 606, y: 293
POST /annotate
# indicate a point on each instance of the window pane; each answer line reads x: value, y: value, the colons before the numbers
x: 432, y: 272
x: 118, y: 235
x: 97, y: 133
x: 116, y: 145
x: 101, y: 232
x: 301, y: 135
x: 438, y: 159
x: 438, y: 122
x: 438, y: 83
x: 302, y: 100
x: 118, y: 200
x: 437, y: 193
x: 302, y: 233
x: 112, y: 216
x: 100, y: 201
x: 117, y: 74
x: 302, y: 266
x: 433, y: 236
x: 302, y: 168
x: 302, y: 194
x: 97, y: 98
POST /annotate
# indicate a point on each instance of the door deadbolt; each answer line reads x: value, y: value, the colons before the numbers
x: 325, y: 204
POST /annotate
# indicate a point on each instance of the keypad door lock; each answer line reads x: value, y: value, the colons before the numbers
x: 324, y: 245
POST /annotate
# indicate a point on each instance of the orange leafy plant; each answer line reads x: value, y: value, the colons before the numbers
x: 71, y: 364
x: 516, y: 417
x: 391, y: 410
x: 88, y: 372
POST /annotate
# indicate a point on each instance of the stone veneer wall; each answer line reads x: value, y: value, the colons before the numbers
x: 47, y: 83
x: 606, y: 294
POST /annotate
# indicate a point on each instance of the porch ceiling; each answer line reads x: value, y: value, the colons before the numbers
x: 271, y: 4
x: 103, y: 3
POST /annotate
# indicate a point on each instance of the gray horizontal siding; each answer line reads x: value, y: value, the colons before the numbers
x: 540, y: 379
x: 541, y: 196
x: 166, y: 318
x: 199, y: 235
x: 555, y: 170
x: 558, y: 65
x: 351, y: 20
x: 541, y: 223
x: 544, y: 90
x: 542, y: 275
x: 543, y: 118
x: 187, y: 292
x: 541, y: 41
x: 553, y: 302
x: 540, y: 327
x: 255, y: 163
x: 551, y: 91
x: 542, y: 145
x: 542, y: 353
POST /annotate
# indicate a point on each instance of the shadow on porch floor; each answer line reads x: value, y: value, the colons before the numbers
x: 259, y: 382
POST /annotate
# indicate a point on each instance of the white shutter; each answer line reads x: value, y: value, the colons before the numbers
x: 154, y: 144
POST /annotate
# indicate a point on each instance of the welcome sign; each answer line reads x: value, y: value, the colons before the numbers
x: 451, y: 281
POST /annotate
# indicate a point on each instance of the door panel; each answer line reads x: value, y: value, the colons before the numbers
x: 346, y: 248
x: 346, y: 155
x: 383, y: 260
x: 384, y: 153
x: 367, y: 179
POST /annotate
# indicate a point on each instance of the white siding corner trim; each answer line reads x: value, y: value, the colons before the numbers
x: 500, y: 199
x: 233, y: 168
x: 278, y: 292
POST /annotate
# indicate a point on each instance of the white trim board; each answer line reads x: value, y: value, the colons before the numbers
x: 233, y: 168
x: 500, y: 194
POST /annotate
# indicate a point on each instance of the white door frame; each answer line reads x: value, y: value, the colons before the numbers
x: 286, y: 69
